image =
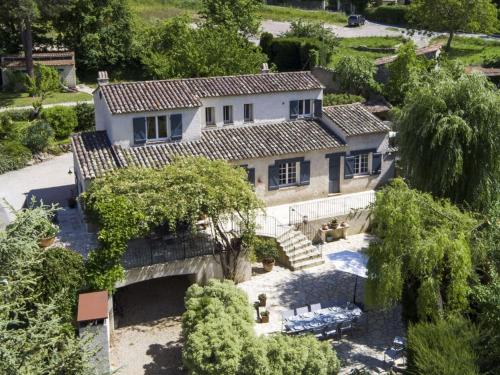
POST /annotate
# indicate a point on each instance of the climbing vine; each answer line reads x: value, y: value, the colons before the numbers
x: 132, y: 202
x: 423, y: 257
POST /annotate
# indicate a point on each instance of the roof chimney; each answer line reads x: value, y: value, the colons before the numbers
x: 102, y: 78
x: 265, y: 68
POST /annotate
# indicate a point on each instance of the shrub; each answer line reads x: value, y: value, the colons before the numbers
x: 60, y: 272
x: 5, y: 125
x: 336, y: 99
x: 442, y: 348
x: 13, y: 155
x: 34, y: 222
x: 265, y: 42
x: 388, y: 14
x: 38, y: 136
x: 313, y: 30
x: 265, y: 248
x: 355, y: 75
x: 85, y: 119
x: 19, y: 114
x: 293, y: 53
x: 492, y: 61
x: 62, y: 119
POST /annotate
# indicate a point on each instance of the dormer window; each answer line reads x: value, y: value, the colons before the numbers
x: 300, y: 109
x: 227, y: 112
x: 210, y: 116
x: 154, y: 128
x: 248, y: 112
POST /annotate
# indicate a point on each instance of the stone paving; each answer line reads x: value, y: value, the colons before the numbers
x: 72, y: 232
x: 364, y: 346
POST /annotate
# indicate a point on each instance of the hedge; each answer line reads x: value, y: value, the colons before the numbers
x: 85, y: 119
x: 388, y: 14
x: 219, y: 339
x: 292, y: 53
x: 62, y: 119
x: 13, y: 155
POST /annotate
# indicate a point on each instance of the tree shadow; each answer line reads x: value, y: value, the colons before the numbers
x: 167, y: 359
x: 7, y: 99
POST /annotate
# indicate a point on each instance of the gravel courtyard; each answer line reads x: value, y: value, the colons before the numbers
x: 147, y: 340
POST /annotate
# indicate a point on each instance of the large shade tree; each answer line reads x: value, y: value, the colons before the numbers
x: 422, y: 257
x: 130, y: 203
x: 449, y: 137
x: 233, y: 14
x: 452, y: 16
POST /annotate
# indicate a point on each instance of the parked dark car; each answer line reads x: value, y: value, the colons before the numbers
x: 355, y: 20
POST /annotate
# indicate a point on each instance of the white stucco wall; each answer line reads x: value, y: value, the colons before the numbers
x: 273, y: 107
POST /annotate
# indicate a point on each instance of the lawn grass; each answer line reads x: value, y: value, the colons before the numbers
x: 8, y: 99
x: 153, y: 10
x: 347, y: 46
x: 471, y: 51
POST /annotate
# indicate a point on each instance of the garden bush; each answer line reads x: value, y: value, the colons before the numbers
x: 356, y: 75
x: 38, y: 136
x: 19, y: 114
x: 62, y: 119
x: 336, y: 99
x: 265, y: 248
x: 13, y: 155
x: 219, y: 339
x: 5, y: 125
x: 85, y: 119
x: 492, y: 61
x: 388, y: 14
x: 293, y: 53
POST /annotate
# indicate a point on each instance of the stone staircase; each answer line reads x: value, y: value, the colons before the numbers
x: 298, y: 251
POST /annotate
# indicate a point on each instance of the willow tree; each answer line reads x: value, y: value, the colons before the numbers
x: 132, y: 202
x: 449, y: 137
x: 422, y: 257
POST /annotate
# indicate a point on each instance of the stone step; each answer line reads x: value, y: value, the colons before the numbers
x: 312, y: 262
x: 304, y: 253
x: 288, y: 235
x: 296, y: 243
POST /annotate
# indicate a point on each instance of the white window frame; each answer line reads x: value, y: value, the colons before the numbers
x: 361, y: 164
x: 210, y: 110
x: 248, y: 107
x: 302, y: 108
x: 230, y: 114
x: 290, y: 171
x: 157, y: 128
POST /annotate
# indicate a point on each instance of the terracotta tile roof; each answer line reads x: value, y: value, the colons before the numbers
x: 185, y: 93
x: 45, y: 58
x: 95, y: 154
x: 489, y: 72
x: 354, y: 119
x: 230, y: 143
x: 92, y: 306
x: 420, y: 51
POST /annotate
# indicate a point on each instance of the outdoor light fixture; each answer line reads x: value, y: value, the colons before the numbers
x: 305, y: 219
x: 70, y: 172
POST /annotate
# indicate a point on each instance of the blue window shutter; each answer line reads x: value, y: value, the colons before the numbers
x: 305, y: 172
x: 348, y: 166
x: 273, y: 178
x: 294, y: 109
x: 139, y: 130
x: 318, y: 108
x: 176, y: 126
x: 251, y: 176
x: 376, y: 163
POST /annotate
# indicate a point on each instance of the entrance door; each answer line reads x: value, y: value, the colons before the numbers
x: 334, y: 174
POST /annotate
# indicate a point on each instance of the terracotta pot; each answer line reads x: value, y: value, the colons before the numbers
x: 268, y: 265
x: 46, y: 242
x: 264, y: 318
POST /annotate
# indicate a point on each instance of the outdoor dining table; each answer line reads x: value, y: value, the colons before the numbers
x: 320, y: 318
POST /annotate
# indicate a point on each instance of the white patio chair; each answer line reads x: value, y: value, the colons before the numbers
x: 301, y: 310
x: 315, y: 307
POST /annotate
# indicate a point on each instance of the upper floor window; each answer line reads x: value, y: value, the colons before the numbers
x: 300, y: 109
x: 227, y: 111
x: 248, y: 112
x: 154, y: 128
x: 210, y: 116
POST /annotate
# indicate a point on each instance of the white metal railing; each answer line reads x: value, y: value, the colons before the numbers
x: 330, y: 207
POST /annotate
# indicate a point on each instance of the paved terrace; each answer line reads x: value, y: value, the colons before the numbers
x: 364, y: 346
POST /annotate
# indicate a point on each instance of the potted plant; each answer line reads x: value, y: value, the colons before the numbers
x: 334, y: 223
x: 262, y: 299
x: 72, y: 202
x: 266, y: 251
x: 46, y: 233
x: 324, y: 226
x: 264, y: 316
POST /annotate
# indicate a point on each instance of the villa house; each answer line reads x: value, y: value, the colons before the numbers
x: 272, y: 124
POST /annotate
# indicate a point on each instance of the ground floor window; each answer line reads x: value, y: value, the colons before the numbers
x: 287, y: 173
x: 361, y: 164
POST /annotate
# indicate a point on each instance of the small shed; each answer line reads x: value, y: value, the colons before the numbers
x: 92, y: 307
x: 63, y: 62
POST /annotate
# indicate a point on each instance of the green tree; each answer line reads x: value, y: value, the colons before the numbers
x: 449, y: 139
x: 101, y: 34
x: 445, y: 347
x: 355, y: 75
x: 131, y: 202
x: 452, y: 16
x: 44, y: 82
x: 232, y: 14
x: 422, y: 258
x: 314, y: 30
x: 62, y: 119
x: 404, y: 74
x: 174, y: 49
